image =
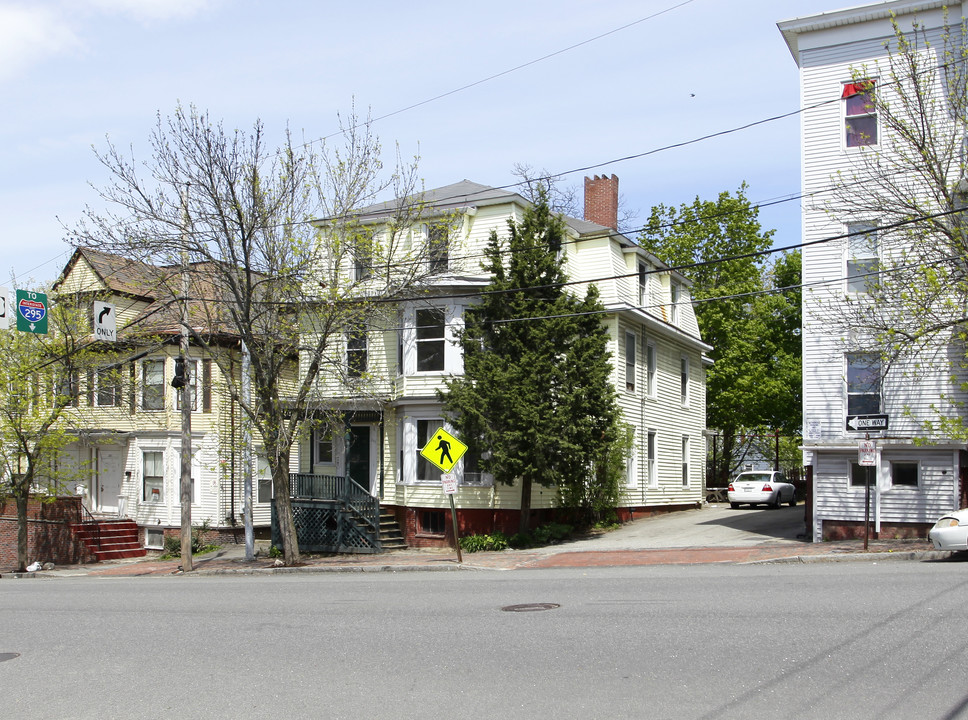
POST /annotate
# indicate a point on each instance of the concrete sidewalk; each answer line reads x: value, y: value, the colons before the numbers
x: 711, y: 535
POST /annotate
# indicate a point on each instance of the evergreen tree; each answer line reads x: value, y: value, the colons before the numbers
x: 535, y: 402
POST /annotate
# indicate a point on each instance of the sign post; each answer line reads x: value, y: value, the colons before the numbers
x: 444, y: 450
x: 867, y: 458
x: 32, y: 312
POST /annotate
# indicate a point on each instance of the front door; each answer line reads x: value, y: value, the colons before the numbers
x: 360, y: 456
x: 110, y: 472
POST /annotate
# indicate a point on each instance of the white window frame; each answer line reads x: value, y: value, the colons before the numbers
x: 652, y: 445
x: 357, y: 344
x: 651, y: 368
x: 686, y: 466
x: 154, y: 538
x: 685, y: 380
x: 104, y: 379
x: 847, y: 384
x: 144, y: 494
x: 631, y: 343
x: 862, y: 260
x: 194, y: 368
x: 644, y: 270
x: 845, y: 119
x: 263, y: 477
x: 442, y: 339
x: 631, y: 463
x: 906, y: 461
x: 432, y: 424
x: 159, y: 386
x: 438, y: 246
x: 675, y: 293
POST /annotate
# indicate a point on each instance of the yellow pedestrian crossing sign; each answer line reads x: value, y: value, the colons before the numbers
x: 443, y: 450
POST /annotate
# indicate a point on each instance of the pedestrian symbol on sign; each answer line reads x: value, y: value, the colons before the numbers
x: 443, y: 450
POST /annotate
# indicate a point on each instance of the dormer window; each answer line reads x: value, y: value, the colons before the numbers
x: 437, y: 247
x: 674, y: 295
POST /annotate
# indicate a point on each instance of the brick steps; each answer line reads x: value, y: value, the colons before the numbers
x: 118, y: 538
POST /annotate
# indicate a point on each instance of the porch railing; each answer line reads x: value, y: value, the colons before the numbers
x: 332, y: 514
x: 88, y: 520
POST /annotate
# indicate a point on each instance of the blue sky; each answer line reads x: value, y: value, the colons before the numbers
x: 75, y: 71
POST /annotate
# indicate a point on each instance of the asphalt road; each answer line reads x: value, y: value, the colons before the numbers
x: 854, y: 640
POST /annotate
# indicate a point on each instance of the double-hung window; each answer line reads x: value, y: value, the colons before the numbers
x: 684, y: 380
x: 362, y: 256
x: 860, y: 113
x: 322, y: 446
x: 643, y: 284
x: 653, y: 469
x: 108, y: 392
x: 153, y: 385
x: 430, y: 340
x: 630, y: 343
x: 153, y: 476
x: 427, y: 471
x: 650, y: 369
x: 685, y: 461
x: 674, y: 293
x: 863, y: 383
x: 191, y: 367
x: 862, y: 261
x: 356, y: 353
x: 437, y: 247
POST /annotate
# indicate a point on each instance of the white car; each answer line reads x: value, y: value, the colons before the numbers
x: 761, y: 487
x: 951, y: 531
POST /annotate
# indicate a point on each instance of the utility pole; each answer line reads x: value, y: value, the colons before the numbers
x: 183, y: 384
x: 247, y: 458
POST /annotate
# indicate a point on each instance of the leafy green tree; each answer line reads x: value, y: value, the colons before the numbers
x: 754, y: 382
x: 535, y: 402
x: 39, y: 387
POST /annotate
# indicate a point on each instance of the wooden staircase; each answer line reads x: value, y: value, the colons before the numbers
x: 391, y: 536
x: 110, y: 539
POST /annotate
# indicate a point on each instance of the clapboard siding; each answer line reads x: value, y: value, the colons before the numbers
x: 831, y: 50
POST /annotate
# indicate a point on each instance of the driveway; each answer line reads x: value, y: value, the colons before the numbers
x: 715, y: 525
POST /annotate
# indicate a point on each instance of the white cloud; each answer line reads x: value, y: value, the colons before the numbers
x: 29, y: 33
x: 150, y: 10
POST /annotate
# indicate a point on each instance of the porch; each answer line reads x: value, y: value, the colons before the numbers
x: 334, y: 514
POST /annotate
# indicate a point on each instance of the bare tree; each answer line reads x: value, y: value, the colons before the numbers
x: 562, y: 198
x: 279, y: 257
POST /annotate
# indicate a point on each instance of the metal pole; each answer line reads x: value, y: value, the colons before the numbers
x: 247, y: 459
x: 776, y: 465
x: 867, y: 501
x: 453, y: 518
x: 185, y: 485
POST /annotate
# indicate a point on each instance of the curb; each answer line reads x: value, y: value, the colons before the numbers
x: 916, y: 555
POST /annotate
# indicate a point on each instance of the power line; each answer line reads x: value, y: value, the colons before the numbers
x: 504, y: 72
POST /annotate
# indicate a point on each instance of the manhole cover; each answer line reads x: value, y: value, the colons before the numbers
x: 8, y: 656
x: 530, y: 607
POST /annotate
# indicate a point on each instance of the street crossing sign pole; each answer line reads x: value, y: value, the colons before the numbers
x: 444, y: 450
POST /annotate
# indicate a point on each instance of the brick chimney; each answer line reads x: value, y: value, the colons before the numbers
x: 601, y: 200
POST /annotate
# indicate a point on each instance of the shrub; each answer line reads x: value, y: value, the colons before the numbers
x: 484, y: 543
